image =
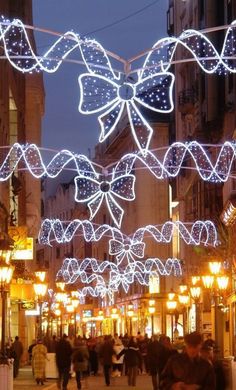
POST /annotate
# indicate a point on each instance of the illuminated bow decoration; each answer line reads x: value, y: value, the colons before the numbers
x: 88, y: 189
x: 132, y: 250
x: 101, y: 89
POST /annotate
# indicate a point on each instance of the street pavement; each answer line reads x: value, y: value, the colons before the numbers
x: 25, y: 381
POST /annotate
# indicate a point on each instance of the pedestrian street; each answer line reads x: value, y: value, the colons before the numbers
x: 25, y: 381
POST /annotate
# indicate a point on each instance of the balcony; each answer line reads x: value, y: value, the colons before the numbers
x: 186, y: 101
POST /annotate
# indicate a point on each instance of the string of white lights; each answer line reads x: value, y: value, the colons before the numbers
x: 101, y: 90
x: 196, y: 233
x: 108, y: 274
x: 94, y: 187
x: 16, y: 42
x: 213, y: 163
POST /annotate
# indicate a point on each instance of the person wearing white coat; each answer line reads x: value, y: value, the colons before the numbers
x: 117, y: 363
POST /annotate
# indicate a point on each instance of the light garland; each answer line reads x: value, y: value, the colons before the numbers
x: 168, y: 166
x: 128, y: 247
x: 94, y: 187
x: 89, y: 271
x: 21, y: 55
x: 102, y: 90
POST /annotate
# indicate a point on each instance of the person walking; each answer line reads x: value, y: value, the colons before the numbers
x: 17, y: 348
x: 188, y: 370
x: 39, y: 356
x: 132, y: 359
x: 63, y: 361
x: 105, y: 354
x: 155, y: 353
x: 117, y: 363
x: 80, y: 359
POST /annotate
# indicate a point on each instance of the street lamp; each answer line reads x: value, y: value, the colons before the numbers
x: 195, y: 292
x: 6, y: 273
x: 100, y: 318
x: 40, y: 289
x: 216, y: 283
x: 152, y: 310
x: 171, y: 305
x: 114, y: 316
x: 61, y: 298
x: 130, y: 313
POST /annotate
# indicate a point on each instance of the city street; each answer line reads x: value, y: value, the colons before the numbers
x: 25, y: 381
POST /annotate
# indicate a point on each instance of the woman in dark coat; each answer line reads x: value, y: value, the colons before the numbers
x: 80, y: 358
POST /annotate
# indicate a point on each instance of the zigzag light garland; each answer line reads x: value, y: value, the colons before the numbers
x: 130, y: 247
x: 102, y: 90
x: 94, y: 187
x: 110, y: 276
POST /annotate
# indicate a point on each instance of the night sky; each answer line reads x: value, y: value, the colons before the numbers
x: 63, y: 125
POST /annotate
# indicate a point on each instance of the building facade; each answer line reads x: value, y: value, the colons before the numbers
x: 205, y: 112
x: 21, y: 111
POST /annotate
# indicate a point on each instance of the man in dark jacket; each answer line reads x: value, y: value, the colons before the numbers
x: 188, y: 370
x: 105, y: 354
x: 155, y: 354
x: 63, y: 361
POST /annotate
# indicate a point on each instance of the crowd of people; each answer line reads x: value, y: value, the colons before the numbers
x: 195, y: 367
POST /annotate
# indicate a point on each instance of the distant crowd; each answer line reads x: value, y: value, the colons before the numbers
x: 195, y: 367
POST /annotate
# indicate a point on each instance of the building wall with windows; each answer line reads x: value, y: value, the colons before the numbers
x: 21, y: 111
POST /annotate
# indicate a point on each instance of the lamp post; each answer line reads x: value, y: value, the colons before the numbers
x: 61, y: 298
x: 40, y: 289
x: 130, y: 313
x: 100, y: 318
x: 171, y: 305
x: 216, y: 283
x: 152, y: 310
x: 114, y: 316
x: 195, y: 292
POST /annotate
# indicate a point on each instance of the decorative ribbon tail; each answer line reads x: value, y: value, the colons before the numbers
x: 109, y: 120
x: 115, y: 210
x: 94, y: 204
x: 142, y: 131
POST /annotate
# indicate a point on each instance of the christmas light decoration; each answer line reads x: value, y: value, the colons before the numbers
x: 101, y: 91
x: 88, y: 189
x: 108, y: 274
x: 132, y: 246
x: 199, y: 156
x: 21, y: 54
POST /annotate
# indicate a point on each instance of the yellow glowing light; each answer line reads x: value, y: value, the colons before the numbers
x: 40, y: 289
x: 208, y: 281
x: 195, y: 292
x: 6, y: 272
x: 195, y: 280
x: 41, y: 275
x: 152, y: 302
x: 171, y: 305
x: 215, y: 267
x: 58, y: 312
x: 70, y: 308
x: 171, y: 295
x: 151, y: 309
x: 183, y: 299
x: 183, y: 288
x: 222, y: 282
x: 61, y: 297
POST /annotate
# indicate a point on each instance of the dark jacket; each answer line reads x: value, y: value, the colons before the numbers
x: 132, y: 355
x: 105, y: 353
x: 155, y: 353
x: 180, y: 368
x: 80, y: 358
x: 63, y: 354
